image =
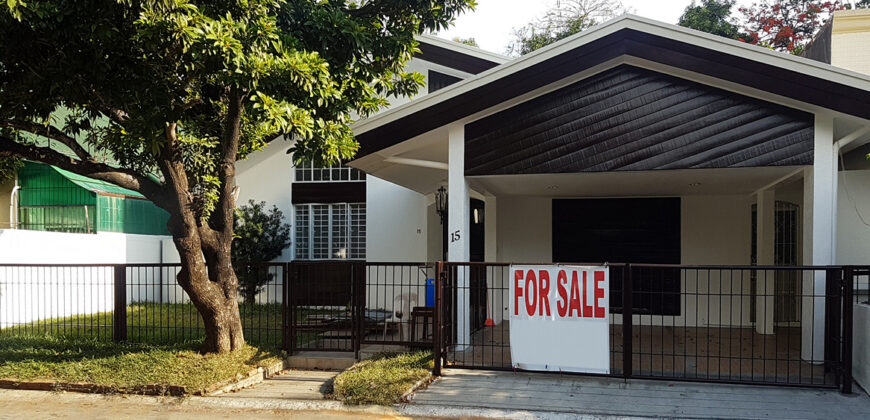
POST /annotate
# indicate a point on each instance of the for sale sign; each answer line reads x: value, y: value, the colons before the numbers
x: 560, y: 318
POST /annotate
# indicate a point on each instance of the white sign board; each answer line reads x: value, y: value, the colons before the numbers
x: 560, y: 318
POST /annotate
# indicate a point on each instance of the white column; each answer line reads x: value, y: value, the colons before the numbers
x: 819, y: 186
x: 458, y: 248
x: 765, y: 216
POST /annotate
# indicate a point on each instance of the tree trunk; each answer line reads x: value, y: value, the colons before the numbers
x: 214, y: 293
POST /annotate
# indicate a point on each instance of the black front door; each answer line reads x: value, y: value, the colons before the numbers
x: 477, y: 282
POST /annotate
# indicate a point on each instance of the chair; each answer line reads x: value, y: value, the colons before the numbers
x: 402, y: 305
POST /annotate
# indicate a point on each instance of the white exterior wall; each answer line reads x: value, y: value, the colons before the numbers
x: 715, y: 230
x: 849, y: 39
x: 853, y: 235
x: 396, y: 223
x: 853, y: 247
x: 268, y: 176
x: 525, y: 229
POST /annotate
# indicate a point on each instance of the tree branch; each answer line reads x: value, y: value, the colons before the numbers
x: 115, y: 114
x: 222, y: 218
x: 49, y: 132
x: 123, y: 178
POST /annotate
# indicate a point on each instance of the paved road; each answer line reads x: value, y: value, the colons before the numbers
x: 56, y: 405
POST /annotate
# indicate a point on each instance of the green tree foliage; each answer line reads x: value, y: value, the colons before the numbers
x: 259, y: 237
x: 711, y: 16
x: 8, y: 168
x: 567, y: 18
x: 786, y: 25
x: 183, y: 89
x: 467, y: 41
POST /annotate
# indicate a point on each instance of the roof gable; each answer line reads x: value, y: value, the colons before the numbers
x: 785, y: 76
x: 629, y: 118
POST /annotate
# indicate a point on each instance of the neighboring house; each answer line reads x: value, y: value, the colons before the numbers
x: 51, y: 199
x: 55, y: 216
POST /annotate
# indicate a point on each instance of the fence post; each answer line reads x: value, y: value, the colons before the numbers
x: 848, y: 297
x: 119, y: 315
x: 358, y: 286
x: 627, y: 321
x: 285, y: 304
x: 436, y: 322
x: 290, y: 306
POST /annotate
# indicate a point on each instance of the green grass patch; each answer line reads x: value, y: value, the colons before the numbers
x: 383, y: 379
x: 120, y: 366
x: 166, y: 324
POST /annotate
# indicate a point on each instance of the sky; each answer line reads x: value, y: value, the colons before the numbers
x: 492, y: 23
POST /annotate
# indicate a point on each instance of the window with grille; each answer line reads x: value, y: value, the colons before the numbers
x: 330, y: 231
x: 305, y: 172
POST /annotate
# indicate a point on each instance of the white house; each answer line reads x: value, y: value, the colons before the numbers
x: 635, y: 141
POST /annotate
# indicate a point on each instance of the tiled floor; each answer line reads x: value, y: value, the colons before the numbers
x: 605, y: 396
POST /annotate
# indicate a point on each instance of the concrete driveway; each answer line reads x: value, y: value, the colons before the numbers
x: 530, y: 395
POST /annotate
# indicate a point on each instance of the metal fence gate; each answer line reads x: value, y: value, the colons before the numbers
x: 667, y: 321
x: 675, y: 322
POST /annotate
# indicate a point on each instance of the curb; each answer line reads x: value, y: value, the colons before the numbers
x: 253, y: 377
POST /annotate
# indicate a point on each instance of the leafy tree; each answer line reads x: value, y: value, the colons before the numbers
x: 567, y: 18
x: 259, y: 237
x: 183, y: 89
x: 711, y: 16
x: 8, y: 168
x: 467, y: 41
x: 786, y: 25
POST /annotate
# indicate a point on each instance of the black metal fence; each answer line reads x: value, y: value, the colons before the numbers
x: 298, y: 306
x: 739, y: 324
x: 734, y: 324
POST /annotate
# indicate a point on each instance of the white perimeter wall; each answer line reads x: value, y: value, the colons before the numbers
x: 32, y: 293
x: 35, y: 247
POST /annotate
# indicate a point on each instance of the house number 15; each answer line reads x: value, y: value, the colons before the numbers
x: 454, y: 236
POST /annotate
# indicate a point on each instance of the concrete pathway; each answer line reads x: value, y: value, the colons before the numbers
x: 290, y: 384
x: 528, y: 395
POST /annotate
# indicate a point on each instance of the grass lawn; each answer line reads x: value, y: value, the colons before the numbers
x: 165, y: 324
x: 122, y: 365
x: 383, y: 379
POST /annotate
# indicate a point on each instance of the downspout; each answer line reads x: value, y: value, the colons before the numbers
x: 13, y: 207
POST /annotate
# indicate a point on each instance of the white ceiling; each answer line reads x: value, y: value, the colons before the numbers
x: 633, y: 184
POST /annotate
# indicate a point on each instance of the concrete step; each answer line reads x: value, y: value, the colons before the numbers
x: 321, y: 360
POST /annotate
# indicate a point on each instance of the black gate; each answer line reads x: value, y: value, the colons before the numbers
x: 324, y: 306
x: 690, y: 323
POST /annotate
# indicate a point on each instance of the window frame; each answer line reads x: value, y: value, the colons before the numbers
x: 309, y: 253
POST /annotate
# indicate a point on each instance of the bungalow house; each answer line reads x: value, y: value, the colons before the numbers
x: 632, y: 142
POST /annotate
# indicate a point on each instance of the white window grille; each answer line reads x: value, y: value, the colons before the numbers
x: 330, y: 231
x: 339, y: 173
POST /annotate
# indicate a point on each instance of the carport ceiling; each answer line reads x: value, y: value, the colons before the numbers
x: 633, y: 184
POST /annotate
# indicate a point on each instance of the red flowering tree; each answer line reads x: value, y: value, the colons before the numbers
x: 786, y: 25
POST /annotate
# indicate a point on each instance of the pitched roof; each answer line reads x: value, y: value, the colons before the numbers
x: 783, y: 75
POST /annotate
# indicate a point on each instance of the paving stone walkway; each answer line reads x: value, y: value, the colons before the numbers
x: 290, y: 384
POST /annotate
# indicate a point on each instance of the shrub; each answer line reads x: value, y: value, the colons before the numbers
x: 259, y: 237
